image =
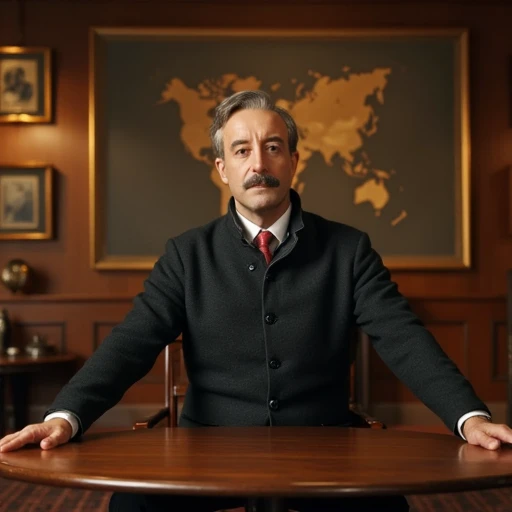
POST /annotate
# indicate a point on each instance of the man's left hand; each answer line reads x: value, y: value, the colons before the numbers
x: 482, y: 432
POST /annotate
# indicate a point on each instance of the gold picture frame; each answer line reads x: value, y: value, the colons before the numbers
x: 26, y: 202
x: 403, y: 175
x: 25, y: 84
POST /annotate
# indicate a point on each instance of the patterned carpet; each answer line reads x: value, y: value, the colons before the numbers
x: 22, y: 497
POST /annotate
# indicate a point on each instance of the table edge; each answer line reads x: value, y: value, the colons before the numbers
x: 100, y: 483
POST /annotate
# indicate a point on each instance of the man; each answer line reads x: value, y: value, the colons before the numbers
x: 265, y: 329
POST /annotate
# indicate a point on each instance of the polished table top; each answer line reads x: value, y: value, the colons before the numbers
x: 264, y: 461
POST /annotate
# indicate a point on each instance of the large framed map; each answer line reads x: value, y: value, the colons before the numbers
x: 382, y: 115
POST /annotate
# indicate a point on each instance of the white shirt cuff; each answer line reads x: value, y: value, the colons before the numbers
x: 468, y: 415
x: 70, y: 418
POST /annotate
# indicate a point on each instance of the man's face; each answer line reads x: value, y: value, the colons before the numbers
x: 257, y: 164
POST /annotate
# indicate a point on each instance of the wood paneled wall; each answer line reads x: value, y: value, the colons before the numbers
x: 76, y: 306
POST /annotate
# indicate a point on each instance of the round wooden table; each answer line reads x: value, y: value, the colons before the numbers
x: 264, y: 464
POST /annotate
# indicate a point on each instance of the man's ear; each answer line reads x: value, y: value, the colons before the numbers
x: 220, y: 166
x: 295, y: 161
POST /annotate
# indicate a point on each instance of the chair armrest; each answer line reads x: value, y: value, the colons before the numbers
x: 151, y: 421
x: 364, y: 419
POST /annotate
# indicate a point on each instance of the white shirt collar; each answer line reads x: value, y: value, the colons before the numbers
x: 279, y: 229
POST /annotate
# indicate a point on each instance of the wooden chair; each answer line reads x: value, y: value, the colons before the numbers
x: 176, y: 386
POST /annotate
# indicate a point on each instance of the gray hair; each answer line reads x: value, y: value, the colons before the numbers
x: 246, y: 100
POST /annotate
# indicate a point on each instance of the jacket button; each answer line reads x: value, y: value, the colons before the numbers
x: 274, y: 404
x: 274, y: 364
x: 252, y: 267
x: 270, y: 318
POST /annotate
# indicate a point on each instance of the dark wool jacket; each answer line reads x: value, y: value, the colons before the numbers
x: 237, y: 315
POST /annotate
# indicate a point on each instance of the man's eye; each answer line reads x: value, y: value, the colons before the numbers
x: 241, y: 151
x: 273, y: 148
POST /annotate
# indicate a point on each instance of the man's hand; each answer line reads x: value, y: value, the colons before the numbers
x: 480, y: 431
x: 49, y: 434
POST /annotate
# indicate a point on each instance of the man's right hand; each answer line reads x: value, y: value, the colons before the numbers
x: 49, y: 434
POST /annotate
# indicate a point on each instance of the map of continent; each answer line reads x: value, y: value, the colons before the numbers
x: 335, y: 118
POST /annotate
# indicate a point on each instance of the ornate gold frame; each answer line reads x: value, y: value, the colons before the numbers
x: 44, y: 175
x: 44, y: 79
x: 459, y: 260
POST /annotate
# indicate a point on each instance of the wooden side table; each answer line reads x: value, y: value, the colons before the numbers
x: 17, y: 369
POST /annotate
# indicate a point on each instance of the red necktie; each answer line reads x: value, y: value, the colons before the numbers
x: 262, y: 242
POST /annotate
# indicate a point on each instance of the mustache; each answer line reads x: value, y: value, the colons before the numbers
x: 262, y: 179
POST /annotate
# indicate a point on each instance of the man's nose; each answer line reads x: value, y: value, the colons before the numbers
x: 258, y: 161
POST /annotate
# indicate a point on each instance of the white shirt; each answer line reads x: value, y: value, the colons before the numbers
x: 280, y: 231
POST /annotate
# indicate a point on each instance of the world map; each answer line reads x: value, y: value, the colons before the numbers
x: 382, y: 134
x: 335, y: 118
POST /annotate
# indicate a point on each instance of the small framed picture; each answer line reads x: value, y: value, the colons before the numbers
x: 26, y: 202
x: 25, y: 85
